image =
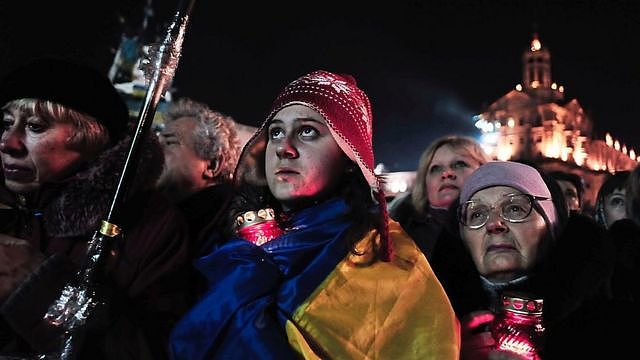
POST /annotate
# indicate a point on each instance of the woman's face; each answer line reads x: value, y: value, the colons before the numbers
x: 449, y: 169
x: 303, y: 162
x: 35, y: 151
x: 570, y: 194
x: 614, y: 206
x: 503, y: 250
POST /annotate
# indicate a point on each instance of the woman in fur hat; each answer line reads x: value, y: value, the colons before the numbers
x: 341, y: 281
x: 63, y: 146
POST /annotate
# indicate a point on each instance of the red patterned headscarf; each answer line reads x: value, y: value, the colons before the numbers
x: 347, y: 111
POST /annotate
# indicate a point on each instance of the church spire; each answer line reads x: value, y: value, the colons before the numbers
x: 535, y: 43
x: 536, y: 72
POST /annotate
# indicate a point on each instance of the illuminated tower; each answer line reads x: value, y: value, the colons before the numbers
x: 536, y: 73
x: 534, y: 123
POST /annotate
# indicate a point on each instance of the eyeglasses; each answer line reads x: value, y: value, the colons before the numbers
x: 513, y: 208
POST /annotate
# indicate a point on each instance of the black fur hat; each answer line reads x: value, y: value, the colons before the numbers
x: 71, y: 84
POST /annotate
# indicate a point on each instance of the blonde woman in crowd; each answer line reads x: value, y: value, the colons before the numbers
x: 442, y: 170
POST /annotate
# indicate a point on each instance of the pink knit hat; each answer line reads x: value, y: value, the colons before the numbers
x: 519, y: 176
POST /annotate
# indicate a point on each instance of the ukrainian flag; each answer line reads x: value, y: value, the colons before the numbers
x: 306, y: 295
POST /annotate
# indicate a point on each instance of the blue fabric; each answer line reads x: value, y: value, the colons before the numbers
x: 254, y: 290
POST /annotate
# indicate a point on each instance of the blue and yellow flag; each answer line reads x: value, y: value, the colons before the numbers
x: 305, y: 294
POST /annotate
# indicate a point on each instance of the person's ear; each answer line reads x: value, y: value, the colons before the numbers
x: 213, y: 169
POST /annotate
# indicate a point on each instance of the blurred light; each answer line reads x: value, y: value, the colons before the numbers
x: 535, y: 44
x: 535, y: 84
x: 511, y: 123
x: 484, y: 125
x: 561, y: 88
x: 488, y: 149
x: 579, y: 156
x: 479, y: 122
x: 519, y: 87
x: 554, y: 86
x: 504, y: 152
x: 398, y: 186
x: 491, y: 138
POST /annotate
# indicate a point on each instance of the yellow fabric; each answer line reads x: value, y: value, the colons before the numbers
x: 384, y: 310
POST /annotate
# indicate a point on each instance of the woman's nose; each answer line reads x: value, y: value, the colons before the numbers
x: 11, y: 142
x: 286, y: 150
x: 495, y: 223
x: 448, y: 173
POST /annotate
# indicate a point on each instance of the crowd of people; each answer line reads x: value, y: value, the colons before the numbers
x: 286, y: 247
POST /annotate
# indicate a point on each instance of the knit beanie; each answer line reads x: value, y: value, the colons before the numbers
x: 76, y: 86
x: 345, y: 108
x: 521, y: 177
x: 347, y: 111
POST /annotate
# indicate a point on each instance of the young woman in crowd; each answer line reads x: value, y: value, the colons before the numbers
x: 341, y: 281
x: 611, y: 200
x: 623, y: 230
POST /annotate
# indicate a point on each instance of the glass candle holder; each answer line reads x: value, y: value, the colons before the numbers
x: 518, y: 329
x: 258, y: 226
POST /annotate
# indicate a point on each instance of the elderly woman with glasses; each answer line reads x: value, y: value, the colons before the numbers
x: 513, y: 239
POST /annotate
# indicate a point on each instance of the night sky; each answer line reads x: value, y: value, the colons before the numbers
x: 428, y: 66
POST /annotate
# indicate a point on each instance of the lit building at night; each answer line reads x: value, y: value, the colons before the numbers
x: 534, y: 123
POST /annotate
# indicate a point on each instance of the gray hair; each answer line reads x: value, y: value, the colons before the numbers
x: 215, y: 137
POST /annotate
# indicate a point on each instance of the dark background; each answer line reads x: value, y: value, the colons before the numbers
x: 428, y: 66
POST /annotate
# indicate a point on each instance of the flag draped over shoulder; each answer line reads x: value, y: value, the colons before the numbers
x: 305, y: 293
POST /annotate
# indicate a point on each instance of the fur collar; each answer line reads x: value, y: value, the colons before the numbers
x: 77, y: 205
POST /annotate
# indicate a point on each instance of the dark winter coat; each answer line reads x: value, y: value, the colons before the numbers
x: 145, y: 274
x: 206, y: 212
x: 581, y: 317
x: 423, y: 229
x: 625, y: 283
